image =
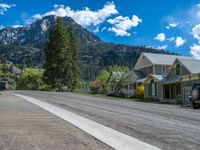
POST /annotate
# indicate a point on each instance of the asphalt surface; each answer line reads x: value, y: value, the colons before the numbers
x: 24, y: 126
x: 169, y: 127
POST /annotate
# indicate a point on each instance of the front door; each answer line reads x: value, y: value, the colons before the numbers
x: 167, y: 92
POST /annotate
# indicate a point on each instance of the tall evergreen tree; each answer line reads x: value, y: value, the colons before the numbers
x: 61, y: 57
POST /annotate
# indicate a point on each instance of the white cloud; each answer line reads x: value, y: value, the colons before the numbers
x: 5, y: 7
x: 103, y: 29
x: 84, y: 17
x: 119, y: 32
x: 185, y: 18
x: 37, y: 16
x: 172, y: 25
x: 121, y: 25
x: 195, y: 51
x: 196, y: 32
x: 160, y: 37
x: 179, y: 41
x: 171, y: 39
x: 162, y: 47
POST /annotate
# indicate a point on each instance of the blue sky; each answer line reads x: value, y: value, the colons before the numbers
x: 168, y: 24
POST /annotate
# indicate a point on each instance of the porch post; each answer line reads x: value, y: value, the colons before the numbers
x: 128, y: 91
x: 162, y: 91
x: 170, y: 92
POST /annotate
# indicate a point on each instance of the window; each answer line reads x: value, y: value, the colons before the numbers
x: 152, y: 88
x: 178, y: 69
x: 148, y: 71
x: 164, y: 69
x: 135, y: 86
x: 132, y: 86
x: 125, y: 86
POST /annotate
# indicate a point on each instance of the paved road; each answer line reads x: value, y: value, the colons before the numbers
x: 166, y: 126
x: 24, y: 126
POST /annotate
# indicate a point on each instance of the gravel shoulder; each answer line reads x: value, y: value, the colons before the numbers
x: 166, y: 126
x: 24, y: 126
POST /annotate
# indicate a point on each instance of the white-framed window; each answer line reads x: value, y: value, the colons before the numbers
x: 178, y: 69
x: 152, y: 88
x: 164, y: 69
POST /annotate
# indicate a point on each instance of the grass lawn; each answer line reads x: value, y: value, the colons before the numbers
x: 121, y: 98
x: 99, y: 95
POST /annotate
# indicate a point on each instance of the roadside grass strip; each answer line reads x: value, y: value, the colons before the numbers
x: 111, y: 137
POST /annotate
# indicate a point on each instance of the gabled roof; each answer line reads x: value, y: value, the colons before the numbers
x: 141, y: 80
x: 133, y: 76
x: 192, y: 65
x: 171, y: 80
x: 160, y: 78
x: 163, y: 59
x: 157, y: 59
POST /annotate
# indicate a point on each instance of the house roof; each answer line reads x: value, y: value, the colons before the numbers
x: 191, y: 64
x: 163, y: 59
x: 132, y: 76
x: 141, y: 80
x: 171, y: 80
x: 157, y: 77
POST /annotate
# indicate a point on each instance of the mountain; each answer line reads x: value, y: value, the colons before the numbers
x: 24, y: 46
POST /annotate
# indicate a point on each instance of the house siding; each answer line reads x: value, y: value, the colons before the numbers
x: 147, y: 70
x: 158, y: 69
x: 142, y: 62
x: 184, y: 71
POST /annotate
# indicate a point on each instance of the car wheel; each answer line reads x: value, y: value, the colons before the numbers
x: 195, y: 94
x: 194, y: 105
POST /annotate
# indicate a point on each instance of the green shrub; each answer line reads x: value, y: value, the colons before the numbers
x: 31, y: 79
x: 95, y: 87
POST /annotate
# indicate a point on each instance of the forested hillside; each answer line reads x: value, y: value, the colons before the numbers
x: 24, y: 46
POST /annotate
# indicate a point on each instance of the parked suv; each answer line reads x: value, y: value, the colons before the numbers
x: 195, y: 96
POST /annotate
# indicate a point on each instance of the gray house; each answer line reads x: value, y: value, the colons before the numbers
x: 177, y: 83
x: 153, y: 68
x: 165, y: 77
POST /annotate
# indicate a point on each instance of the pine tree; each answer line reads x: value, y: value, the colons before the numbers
x: 61, y: 57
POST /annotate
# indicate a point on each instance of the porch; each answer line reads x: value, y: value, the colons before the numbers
x: 129, y: 89
x: 172, y: 92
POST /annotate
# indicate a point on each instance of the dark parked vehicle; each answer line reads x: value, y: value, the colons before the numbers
x: 195, y: 96
x: 3, y: 85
